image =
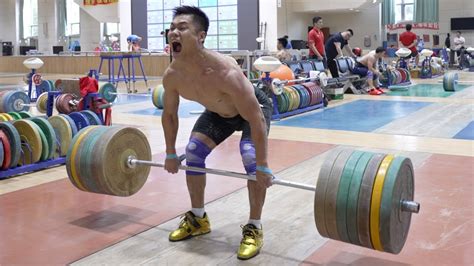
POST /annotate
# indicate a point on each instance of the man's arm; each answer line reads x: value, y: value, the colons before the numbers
x: 338, y: 49
x: 349, y: 50
x: 243, y: 95
x: 169, y: 118
x: 312, y: 46
x: 371, y: 62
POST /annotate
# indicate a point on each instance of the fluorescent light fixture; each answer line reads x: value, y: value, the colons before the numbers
x: 351, y: 9
x: 374, y: 1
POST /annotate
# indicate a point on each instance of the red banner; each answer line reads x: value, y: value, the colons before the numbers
x: 423, y: 25
x: 99, y: 2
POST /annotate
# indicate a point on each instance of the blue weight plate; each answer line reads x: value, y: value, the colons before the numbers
x: 72, y: 124
x: 107, y: 91
x: 302, y: 95
x: 92, y: 117
x: 44, y: 86
x: 80, y: 120
x: 13, y: 101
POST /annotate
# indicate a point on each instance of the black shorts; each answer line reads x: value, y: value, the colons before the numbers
x: 413, y: 54
x: 219, y: 128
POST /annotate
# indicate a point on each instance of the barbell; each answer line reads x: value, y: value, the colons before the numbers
x: 277, y: 85
x: 451, y: 80
x: 362, y: 198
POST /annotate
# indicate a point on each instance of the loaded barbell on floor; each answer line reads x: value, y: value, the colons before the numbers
x: 362, y: 198
x: 451, y: 80
x: 109, y: 92
x: 278, y: 85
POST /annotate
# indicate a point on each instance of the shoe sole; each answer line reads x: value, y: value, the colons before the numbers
x: 240, y: 258
x: 188, y: 237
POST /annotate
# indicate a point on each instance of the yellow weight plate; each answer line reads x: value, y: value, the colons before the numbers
x: 8, y: 116
x: 376, y: 201
x: 3, y: 118
x: 29, y: 134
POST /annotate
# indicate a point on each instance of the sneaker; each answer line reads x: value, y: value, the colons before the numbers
x: 374, y: 92
x: 380, y: 89
x: 252, y: 242
x: 190, y: 226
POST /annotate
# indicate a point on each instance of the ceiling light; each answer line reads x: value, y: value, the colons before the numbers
x: 374, y: 1
x: 351, y: 9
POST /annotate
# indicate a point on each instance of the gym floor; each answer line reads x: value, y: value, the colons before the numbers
x: 45, y: 220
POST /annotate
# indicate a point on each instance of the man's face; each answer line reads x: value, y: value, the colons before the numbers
x: 458, y: 34
x: 318, y: 24
x: 347, y: 36
x: 184, y: 36
x: 279, y: 46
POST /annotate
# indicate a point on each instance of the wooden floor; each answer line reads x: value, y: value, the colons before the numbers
x: 45, y: 220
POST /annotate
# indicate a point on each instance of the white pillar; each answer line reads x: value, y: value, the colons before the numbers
x: 125, y: 16
x: 269, y: 13
x: 47, y: 32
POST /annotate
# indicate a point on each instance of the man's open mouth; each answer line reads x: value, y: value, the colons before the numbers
x: 176, y: 47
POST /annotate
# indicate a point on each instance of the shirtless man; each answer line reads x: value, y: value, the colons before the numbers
x: 232, y: 104
x: 367, y: 66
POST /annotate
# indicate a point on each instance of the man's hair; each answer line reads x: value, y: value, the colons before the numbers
x: 283, y: 41
x: 458, y: 31
x: 351, y: 31
x: 408, y: 27
x: 199, y: 17
x: 286, y: 36
x: 379, y: 49
x: 316, y: 19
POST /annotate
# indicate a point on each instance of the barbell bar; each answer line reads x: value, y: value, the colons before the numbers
x: 277, y: 84
x: 354, y: 188
x: 132, y: 161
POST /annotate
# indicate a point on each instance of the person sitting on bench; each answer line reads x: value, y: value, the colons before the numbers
x: 367, y: 66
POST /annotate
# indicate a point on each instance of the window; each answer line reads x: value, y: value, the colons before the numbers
x: 72, y: 18
x: 404, y: 10
x: 223, y: 25
x: 30, y: 18
x: 111, y: 28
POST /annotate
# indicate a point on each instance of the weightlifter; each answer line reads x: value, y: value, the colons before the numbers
x: 368, y: 66
x: 232, y: 104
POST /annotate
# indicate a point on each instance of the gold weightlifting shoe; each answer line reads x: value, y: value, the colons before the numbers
x: 252, y: 242
x: 190, y: 226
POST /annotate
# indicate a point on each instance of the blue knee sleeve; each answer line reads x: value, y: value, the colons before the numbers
x: 196, y: 153
x: 247, y: 150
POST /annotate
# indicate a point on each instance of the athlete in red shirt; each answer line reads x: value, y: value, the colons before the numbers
x: 316, y: 40
x: 408, y: 39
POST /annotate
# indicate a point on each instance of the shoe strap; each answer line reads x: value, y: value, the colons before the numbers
x: 192, y: 220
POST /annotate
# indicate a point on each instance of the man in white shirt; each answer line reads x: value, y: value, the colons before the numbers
x: 459, y: 43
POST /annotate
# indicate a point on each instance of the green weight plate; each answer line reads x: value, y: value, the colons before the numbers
x: 279, y: 102
x: 15, y: 115
x: 330, y: 201
x: 92, y: 117
x: 42, y: 103
x: 29, y: 134
x: 25, y: 114
x: 107, y: 91
x: 49, y: 133
x: 108, y: 160
x: 398, y: 186
x: 321, y: 185
x: 72, y: 167
x: 44, y: 144
x: 62, y: 129
x: 353, y: 197
x: 365, y: 196
x: 343, y: 193
x: 15, y: 142
x: 450, y: 81
x: 157, y: 96
x: 84, y: 159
